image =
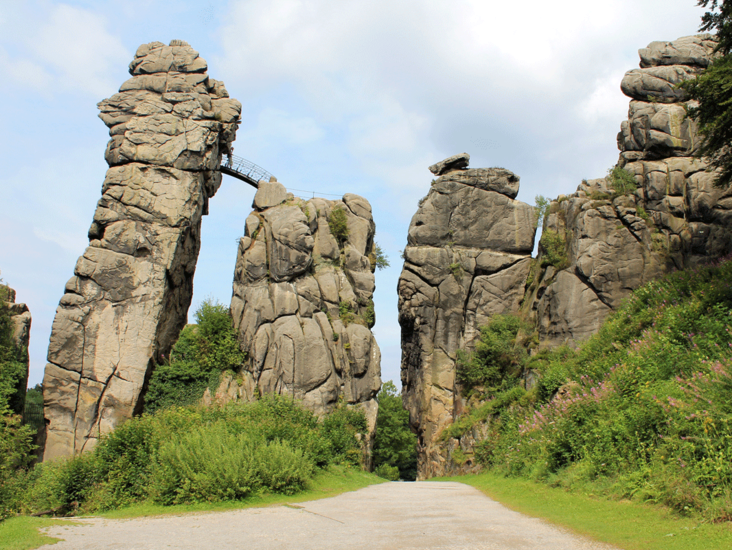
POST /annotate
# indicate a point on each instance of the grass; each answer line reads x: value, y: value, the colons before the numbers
x: 21, y: 533
x: 627, y: 525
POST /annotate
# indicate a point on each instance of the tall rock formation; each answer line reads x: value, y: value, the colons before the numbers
x: 128, y: 299
x: 609, y: 241
x: 302, y: 301
x: 657, y: 211
x: 20, y: 325
x: 468, y: 256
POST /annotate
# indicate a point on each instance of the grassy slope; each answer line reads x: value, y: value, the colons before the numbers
x: 21, y: 533
x: 627, y: 525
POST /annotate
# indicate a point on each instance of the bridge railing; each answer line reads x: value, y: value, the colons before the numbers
x: 245, y: 168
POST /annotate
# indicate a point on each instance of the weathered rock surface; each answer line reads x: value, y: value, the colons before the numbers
x: 21, y: 320
x: 302, y: 302
x: 129, y: 296
x: 598, y: 244
x: 468, y: 257
x: 615, y: 243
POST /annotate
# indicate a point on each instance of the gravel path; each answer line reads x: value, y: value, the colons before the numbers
x: 405, y: 516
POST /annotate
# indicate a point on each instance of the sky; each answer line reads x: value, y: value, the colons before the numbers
x: 338, y: 97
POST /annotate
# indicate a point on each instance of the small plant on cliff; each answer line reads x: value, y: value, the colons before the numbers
x: 456, y: 270
x: 380, y: 259
x: 497, y: 360
x: 554, y: 249
x: 541, y: 208
x: 197, y: 359
x: 622, y: 181
x: 338, y: 223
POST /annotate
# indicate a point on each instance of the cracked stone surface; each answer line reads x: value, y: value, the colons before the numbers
x: 302, y: 303
x: 468, y: 256
x: 675, y: 218
x: 129, y: 295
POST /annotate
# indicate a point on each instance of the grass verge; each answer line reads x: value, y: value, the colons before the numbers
x: 21, y: 533
x: 627, y: 525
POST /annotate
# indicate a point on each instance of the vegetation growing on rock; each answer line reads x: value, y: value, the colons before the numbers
x: 641, y: 410
x: 203, y: 351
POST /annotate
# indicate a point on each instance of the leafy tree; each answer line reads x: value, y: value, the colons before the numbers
x: 381, y: 259
x: 395, y: 446
x: 542, y: 207
x: 197, y: 359
x: 713, y: 90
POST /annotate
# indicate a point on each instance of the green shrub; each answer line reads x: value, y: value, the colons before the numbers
x: 387, y: 472
x: 622, y: 181
x: 554, y: 249
x: 641, y: 410
x: 338, y: 223
x: 497, y: 358
x: 395, y: 446
x: 197, y: 359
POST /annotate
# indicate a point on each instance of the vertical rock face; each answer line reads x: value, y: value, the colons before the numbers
x: 21, y: 325
x: 467, y: 258
x: 613, y: 242
x: 302, y: 301
x: 128, y: 299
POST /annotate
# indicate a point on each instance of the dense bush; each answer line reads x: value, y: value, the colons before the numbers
x: 622, y: 181
x: 197, y: 359
x: 395, y: 446
x: 497, y: 358
x: 338, y: 223
x: 553, y: 247
x: 195, y: 454
x: 641, y: 410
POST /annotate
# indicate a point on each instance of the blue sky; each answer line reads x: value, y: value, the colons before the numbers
x: 338, y: 97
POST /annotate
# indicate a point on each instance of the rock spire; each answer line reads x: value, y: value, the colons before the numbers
x: 303, y: 300
x: 468, y: 256
x: 129, y: 295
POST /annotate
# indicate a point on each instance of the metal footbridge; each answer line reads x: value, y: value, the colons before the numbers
x: 244, y: 170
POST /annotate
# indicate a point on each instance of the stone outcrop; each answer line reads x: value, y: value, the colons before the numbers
x: 468, y: 256
x: 613, y: 241
x: 302, y: 301
x: 129, y: 296
x: 20, y: 318
x: 656, y: 212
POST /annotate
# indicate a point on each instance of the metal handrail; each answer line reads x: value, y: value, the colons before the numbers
x: 244, y: 170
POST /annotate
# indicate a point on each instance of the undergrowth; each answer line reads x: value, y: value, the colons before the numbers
x: 184, y: 455
x: 642, y: 410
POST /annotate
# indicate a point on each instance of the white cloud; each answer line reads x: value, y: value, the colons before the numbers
x: 65, y: 48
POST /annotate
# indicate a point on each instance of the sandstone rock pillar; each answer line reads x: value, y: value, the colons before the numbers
x: 467, y: 258
x: 129, y: 296
x: 303, y: 300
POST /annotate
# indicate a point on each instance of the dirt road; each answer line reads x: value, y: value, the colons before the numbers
x: 405, y: 516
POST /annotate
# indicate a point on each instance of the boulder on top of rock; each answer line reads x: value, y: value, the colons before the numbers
x: 269, y: 194
x: 688, y: 50
x: 455, y: 162
x: 499, y: 180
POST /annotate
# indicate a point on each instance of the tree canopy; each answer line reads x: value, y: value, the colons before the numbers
x: 713, y: 90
